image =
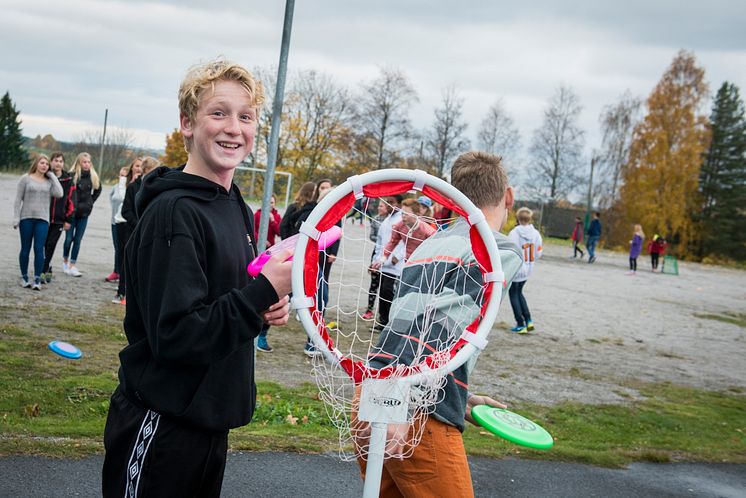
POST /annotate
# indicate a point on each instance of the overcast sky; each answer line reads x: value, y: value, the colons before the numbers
x: 64, y: 62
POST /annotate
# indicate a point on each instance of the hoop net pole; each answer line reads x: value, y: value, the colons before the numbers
x: 352, y: 388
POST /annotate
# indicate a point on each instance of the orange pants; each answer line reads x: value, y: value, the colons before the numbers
x: 437, y: 468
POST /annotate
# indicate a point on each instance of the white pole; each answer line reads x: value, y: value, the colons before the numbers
x: 374, y: 468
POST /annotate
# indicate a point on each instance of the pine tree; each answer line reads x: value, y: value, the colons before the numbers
x: 12, y: 154
x: 660, y: 188
x: 722, y: 180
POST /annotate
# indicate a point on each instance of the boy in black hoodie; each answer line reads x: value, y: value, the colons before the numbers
x: 187, y: 375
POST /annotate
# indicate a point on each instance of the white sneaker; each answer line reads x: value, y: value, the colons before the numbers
x: 74, y: 272
x: 36, y: 287
x: 25, y: 283
x: 65, y: 268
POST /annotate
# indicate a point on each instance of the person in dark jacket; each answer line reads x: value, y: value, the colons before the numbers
x: 322, y: 187
x: 289, y: 224
x: 60, y: 213
x: 87, y: 190
x: 193, y: 311
x: 128, y: 223
x: 593, y: 236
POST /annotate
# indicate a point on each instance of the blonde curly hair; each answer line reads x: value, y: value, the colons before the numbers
x: 202, y: 77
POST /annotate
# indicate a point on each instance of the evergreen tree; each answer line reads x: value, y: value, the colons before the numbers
x: 12, y: 154
x: 722, y: 179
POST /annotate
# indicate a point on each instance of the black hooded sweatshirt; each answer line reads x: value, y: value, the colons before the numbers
x: 192, y: 308
x: 84, y: 195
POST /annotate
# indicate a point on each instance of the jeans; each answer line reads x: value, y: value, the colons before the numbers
x: 33, y: 231
x: 520, y: 308
x: 633, y: 264
x: 73, y: 238
x: 591, y: 245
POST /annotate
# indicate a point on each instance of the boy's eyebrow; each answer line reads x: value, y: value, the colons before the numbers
x: 222, y: 102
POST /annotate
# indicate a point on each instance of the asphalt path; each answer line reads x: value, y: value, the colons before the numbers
x: 294, y: 475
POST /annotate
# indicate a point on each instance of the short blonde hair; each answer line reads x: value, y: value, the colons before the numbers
x: 202, y: 77
x: 480, y: 177
x: 524, y: 215
x: 411, y: 204
x: 148, y: 164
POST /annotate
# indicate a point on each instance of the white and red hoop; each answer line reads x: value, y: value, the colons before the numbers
x: 378, y: 184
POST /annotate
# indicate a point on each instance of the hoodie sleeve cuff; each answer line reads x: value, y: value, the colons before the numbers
x: 260, y: 293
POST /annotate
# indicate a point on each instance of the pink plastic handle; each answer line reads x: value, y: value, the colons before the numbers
x: 327, y: 238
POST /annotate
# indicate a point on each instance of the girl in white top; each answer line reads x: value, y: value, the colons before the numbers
x: 31, y: 215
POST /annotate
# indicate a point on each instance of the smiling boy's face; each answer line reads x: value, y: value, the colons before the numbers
x: 222, y: 131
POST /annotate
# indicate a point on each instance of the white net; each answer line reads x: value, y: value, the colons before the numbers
x: 393, y: 306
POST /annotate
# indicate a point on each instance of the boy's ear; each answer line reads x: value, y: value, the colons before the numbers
x: 509, y: 198
x: 186, y: 126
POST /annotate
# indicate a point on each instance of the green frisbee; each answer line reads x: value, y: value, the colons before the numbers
x: 512, y: 427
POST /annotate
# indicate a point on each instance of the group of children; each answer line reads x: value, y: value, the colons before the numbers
x: 656, y: 247
x: 51, y: 200
x: 186, y: 375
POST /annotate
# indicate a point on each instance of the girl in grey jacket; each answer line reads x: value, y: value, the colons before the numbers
x: 31, y: 216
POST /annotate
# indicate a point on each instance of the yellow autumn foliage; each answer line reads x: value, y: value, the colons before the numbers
x: 175, y: 154
x: 660, y: 188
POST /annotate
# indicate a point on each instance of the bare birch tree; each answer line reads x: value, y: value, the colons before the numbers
x: 446, y: 137
x: 618, y: 122
x: 384, y: 113
x: 498, y: 133
x: 557, y: 147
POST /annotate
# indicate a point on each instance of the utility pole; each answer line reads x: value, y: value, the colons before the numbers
x: 274, y: 135
x: 103, y: 141
x: 589, y: 206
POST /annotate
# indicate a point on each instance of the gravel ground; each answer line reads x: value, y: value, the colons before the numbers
x: 597, y: 329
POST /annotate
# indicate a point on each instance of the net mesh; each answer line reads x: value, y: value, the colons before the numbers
x: 409, y: 312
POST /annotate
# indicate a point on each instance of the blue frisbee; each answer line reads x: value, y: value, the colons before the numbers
x: 65, y: 349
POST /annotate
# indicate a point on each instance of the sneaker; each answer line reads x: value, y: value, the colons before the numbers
x: 530, y: 326
x: 25, y: 283
x: 43, y: 278
x: 65, y: 268
x: 74, y: 272
x: 310, y: 350
x: 118, y: 299
x: 367, y: 315
x: 519, y: 329
x: 113, y: 277
x: 48, y: 277
x: 592, y: 259
x: 36, y: 286
x: 264, y: 346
